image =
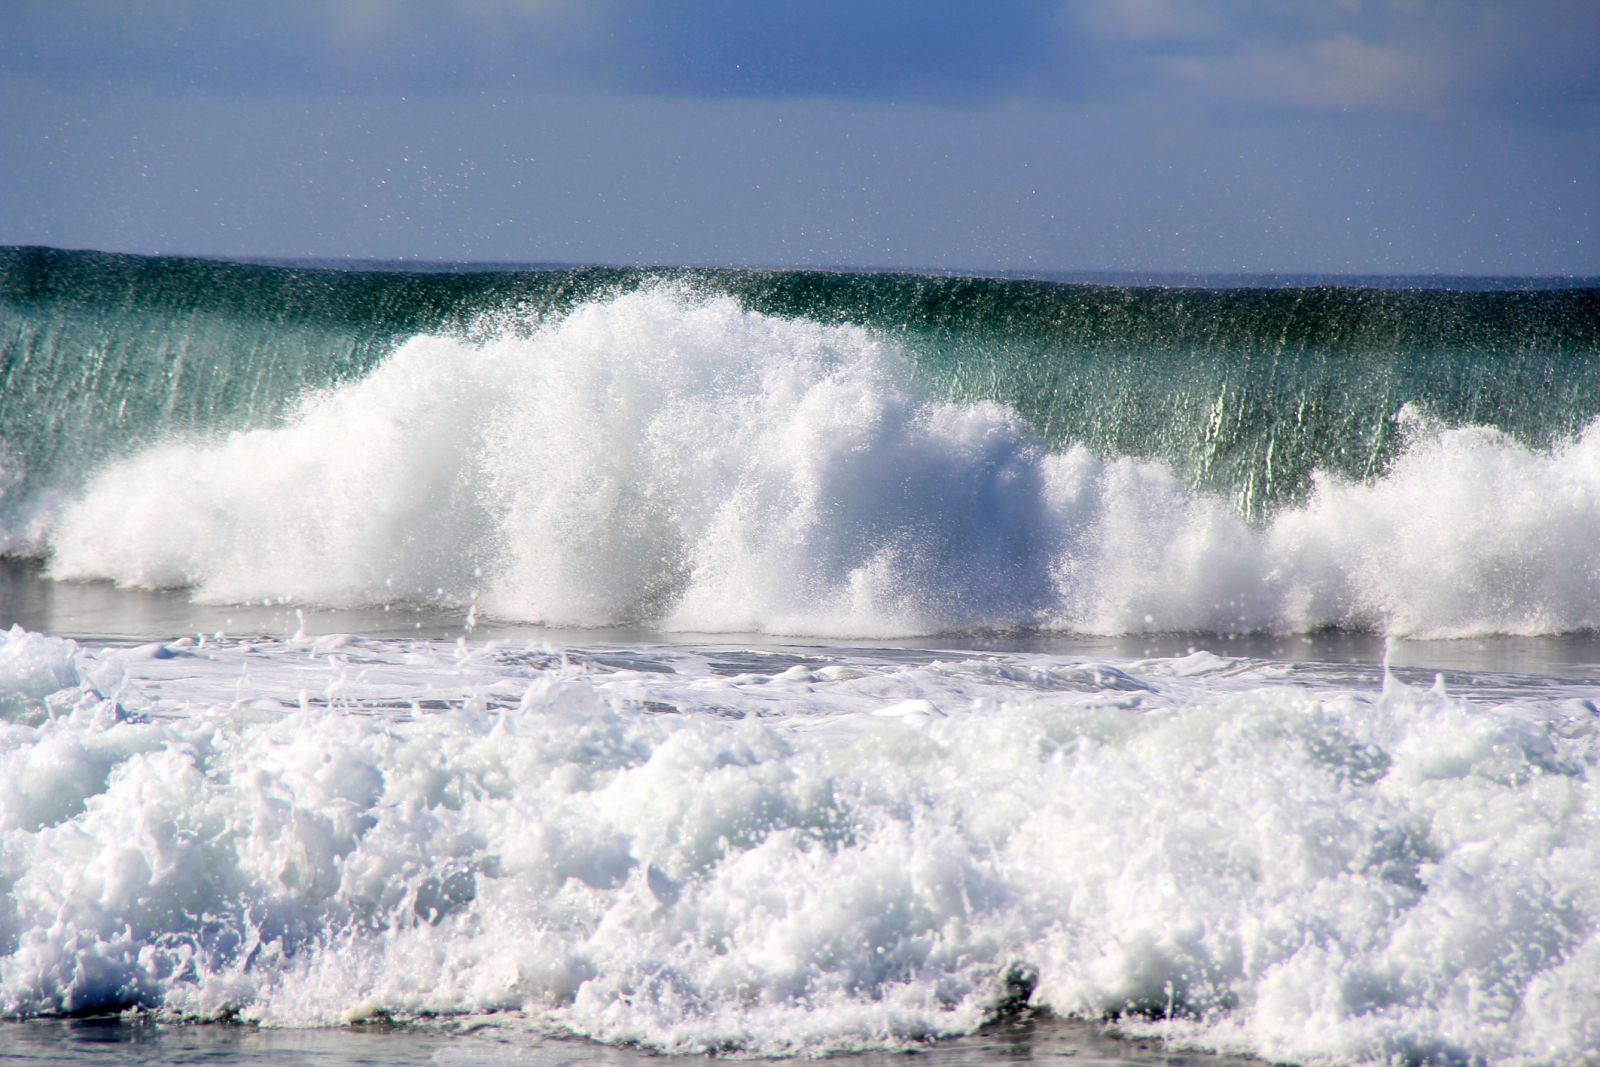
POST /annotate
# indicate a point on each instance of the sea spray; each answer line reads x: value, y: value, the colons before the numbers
x: 674, y: 459
x: 1243, y: 392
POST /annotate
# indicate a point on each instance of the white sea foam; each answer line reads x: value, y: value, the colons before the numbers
x: 704, y: 849
x: 677, y: 460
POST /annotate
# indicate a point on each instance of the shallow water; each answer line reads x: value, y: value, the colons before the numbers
x: 100, y: 610
x: 121, y: 1042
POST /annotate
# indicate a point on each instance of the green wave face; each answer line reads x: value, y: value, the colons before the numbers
x: 101, y: 355
x: 1244, y: 392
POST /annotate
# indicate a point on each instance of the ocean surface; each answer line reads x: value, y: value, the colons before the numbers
x: 575, y: 665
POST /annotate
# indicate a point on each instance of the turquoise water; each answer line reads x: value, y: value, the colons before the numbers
x: 1244, y: 391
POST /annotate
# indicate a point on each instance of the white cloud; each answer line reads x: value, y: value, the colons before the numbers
x: 1337, y: 73
x: 1400, y: 56
x: 1145, y: 20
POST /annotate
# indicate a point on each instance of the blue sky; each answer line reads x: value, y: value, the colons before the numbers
x: 1148, y: 135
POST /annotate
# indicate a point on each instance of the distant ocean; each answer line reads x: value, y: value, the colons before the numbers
x: 574, y: 664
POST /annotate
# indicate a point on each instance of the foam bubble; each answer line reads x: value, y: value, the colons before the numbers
x: 1216, y: 855
x: 33, y: 668
x: 678, y: 461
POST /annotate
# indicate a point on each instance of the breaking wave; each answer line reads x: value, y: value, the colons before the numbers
x: 670, y: 457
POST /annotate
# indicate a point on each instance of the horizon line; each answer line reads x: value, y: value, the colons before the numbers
x: 1155, y: 277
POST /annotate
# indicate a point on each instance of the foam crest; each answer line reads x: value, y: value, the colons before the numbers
x: 1469, y: 532
x: 676, y: 460
x: 1305, y: 872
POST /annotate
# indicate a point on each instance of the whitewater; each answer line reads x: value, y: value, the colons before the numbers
x: 771, y: 664
x: 676, y: 460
